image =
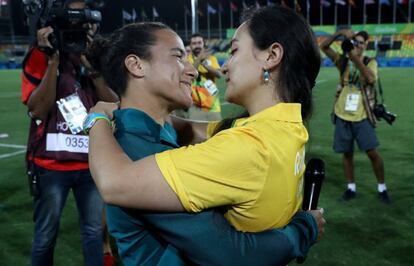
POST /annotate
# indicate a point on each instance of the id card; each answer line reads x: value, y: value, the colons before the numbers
x: 351, y: 103
x: 211, y: 87
x: 73, y: 111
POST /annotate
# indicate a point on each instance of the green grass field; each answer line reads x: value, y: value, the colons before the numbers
x: 361, y: 232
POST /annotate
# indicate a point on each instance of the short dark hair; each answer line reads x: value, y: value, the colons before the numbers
x: 363, y: 34
x: 107, y: 55
x: 194, y: 35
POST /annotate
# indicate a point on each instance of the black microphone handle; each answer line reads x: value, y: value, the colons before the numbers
x: 313, y: 179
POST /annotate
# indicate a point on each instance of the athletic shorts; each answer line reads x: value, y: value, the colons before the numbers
x: 346, y: 132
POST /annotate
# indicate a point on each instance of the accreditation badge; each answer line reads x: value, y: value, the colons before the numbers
x: 73, y: 111
x: 351, y: 102
x: 211, y: 87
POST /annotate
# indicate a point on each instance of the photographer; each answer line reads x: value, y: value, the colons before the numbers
x: 57, y: 155
x: 353, y: 111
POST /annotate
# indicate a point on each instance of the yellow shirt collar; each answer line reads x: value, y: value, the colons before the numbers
x: 288, y: 112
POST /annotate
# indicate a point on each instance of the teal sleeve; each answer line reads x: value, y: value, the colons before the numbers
x: 207, y: 238
x: 302, y: 233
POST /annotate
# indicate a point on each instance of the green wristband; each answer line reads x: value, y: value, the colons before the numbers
x: 91, y: 119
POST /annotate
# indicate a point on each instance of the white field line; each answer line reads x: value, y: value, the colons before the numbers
x: 7, y: 155
x: 13, y: 146
x: 22, y: 149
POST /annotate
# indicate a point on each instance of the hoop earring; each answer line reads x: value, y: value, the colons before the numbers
x: 266, y: 76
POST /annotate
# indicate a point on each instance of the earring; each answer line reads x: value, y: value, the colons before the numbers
x: 266, y: 76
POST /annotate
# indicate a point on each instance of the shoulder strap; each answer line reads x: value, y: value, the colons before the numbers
x: 380, y: 90
x: 366, y: 61
x: 343, y: 61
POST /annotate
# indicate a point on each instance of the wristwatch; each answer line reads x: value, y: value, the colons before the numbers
x: 91, y: 119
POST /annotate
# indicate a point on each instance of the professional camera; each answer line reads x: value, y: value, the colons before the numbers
x: 70, y: 34
x: 348, y: 45
x: 381, y: 112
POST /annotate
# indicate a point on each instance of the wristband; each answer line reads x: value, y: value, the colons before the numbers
x: 47, y: 50
x: 91, y: 119
x: 93, y: 74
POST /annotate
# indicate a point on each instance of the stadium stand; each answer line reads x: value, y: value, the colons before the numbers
x: 390, y: 50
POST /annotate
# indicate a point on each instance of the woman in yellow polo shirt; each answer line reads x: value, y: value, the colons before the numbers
x: 255, y: 168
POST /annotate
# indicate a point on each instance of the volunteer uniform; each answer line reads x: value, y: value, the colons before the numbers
x: 255, y: 168
x: 205, y: 238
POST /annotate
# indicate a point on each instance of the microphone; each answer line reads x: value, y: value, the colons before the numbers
x: 314, y: 176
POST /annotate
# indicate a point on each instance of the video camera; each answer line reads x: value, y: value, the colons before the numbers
x: 70, y: 34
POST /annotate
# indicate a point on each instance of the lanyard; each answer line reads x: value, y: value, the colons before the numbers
x: 353, y: 74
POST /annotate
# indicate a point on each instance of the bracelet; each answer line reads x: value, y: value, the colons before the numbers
x: 47, y: 50
x: 91, y: 119
x: 93, y: 74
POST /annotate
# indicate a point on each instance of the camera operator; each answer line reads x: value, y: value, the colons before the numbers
x: 353, y: 111
x: 56, y: 155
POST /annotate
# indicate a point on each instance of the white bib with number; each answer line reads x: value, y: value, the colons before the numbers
x: 351, y: 103
x: 67, y: 142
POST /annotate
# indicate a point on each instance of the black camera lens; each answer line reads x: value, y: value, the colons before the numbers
x: 347, y: 45
x: 381, y: 112
x: 389, y: 117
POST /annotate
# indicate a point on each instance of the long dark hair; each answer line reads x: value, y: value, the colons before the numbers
x: 107, y: 55
x: 301, y: 59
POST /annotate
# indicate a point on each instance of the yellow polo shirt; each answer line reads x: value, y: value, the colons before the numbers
x: 211, y: 61
x: 255, y: 168
x: 350, y: 106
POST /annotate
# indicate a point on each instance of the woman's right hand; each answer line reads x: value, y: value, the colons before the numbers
x: 320, y: 221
